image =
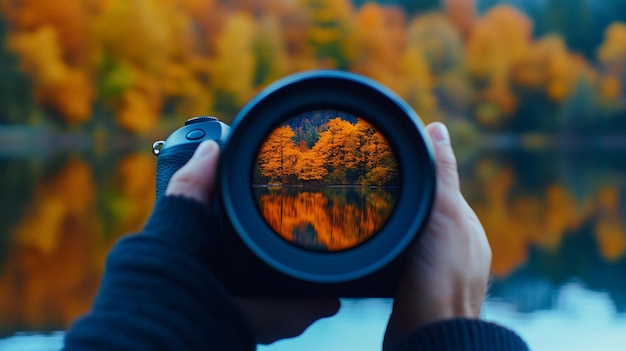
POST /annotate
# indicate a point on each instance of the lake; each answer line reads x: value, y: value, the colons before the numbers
x: 555, y: 217
x: 326, y: 219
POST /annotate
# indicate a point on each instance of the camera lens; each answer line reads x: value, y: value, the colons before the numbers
x: 327, y: 176
x: 326, y: 180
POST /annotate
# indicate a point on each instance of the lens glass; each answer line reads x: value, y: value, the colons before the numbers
x: 326, y: 181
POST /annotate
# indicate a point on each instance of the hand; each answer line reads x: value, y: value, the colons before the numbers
x: 447, y: 272
x: 271, y: 319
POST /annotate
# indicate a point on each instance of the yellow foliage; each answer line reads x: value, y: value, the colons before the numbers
x: 437, y: 39
x: 512, y: 225
x: 379, y: 45
x: 271, y: 55
x: 182, y: 81
x: 611, y: 236
x: 51, y: 255
x: 72, y: 97
x: 502, y: 97
x: 234, y: 66
x: 66, y: 89
x: 70, y: 19
x: 497, y: 40
x: 137, y: 31
x: 417, y: 82
x: 610, y: 88
x: 70, y: 194
x: 540, y: 63
x: 135, y: 177
x: 136, y: 112
x: 612, y: 52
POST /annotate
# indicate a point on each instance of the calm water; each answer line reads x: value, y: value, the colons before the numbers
x: 555, y: 219
x: 324, y: 219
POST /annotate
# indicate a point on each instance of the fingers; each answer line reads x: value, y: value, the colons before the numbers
x: 196, y: 179
x: 447, y: 173
x: 276, y: 319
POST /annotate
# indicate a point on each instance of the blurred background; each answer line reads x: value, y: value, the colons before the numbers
x: 534, y: 92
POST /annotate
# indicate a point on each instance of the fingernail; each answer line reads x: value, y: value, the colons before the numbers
x: 207, y: 148
x: 441, y: 134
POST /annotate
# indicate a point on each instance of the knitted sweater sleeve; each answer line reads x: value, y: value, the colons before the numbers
x: 463, y: 335
x: 156, y: 294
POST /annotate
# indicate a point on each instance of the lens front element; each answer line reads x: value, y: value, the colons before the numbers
x: 326, y: 181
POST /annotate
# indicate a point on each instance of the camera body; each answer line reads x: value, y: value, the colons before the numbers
x: 247, y: 255
x: 241, y: 271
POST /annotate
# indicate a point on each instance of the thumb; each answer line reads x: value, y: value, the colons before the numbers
x: 196, y: 179
x: 447, y: 173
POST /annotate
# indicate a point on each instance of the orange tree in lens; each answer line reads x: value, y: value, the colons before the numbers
x: 340, y: 162
x: 343, y: 154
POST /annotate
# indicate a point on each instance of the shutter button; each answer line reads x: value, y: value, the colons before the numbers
x: 195, y: 134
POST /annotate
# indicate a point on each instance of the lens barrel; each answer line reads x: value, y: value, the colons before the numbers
x: 324, y: 91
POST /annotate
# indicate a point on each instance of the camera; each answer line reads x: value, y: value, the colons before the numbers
x: 324, y: 180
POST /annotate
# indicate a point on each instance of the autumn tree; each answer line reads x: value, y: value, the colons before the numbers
x: 278, y: 155
x: 271, y: 61
x: 63, y: 88
x: 497, y: 41
x: 329, y: 31
x: 381, y: 38
x: 131, y: 66
x: 381, y: 167
x: 233, y: 69
x: 338, y: 147
x: 612, y: 57
x: 310, y: 166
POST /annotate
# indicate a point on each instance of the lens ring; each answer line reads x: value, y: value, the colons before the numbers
x: 329, y: 90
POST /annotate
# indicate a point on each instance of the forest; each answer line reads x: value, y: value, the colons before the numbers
x: 341, y: 153
x: 481, y: 65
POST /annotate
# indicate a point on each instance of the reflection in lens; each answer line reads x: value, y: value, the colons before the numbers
x: 326, y: 180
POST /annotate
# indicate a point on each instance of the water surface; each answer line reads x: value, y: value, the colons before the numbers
x: 554, y: 217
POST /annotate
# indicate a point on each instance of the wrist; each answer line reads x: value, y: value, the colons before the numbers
x: 181, y: 223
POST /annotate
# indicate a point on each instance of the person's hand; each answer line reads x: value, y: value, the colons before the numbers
x: 447, y: 271
x: 271, y: 319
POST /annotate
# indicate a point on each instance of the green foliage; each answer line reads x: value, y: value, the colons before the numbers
x: 15, y: 88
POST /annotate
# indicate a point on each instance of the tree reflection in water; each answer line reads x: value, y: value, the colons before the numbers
x: 552, y: 217
x: 326, y: 218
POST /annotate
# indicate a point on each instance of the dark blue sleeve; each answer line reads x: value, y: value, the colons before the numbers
x: 463, y: 335
x: 156, y: 293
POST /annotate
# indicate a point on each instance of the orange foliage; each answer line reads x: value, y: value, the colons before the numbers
x: 611, y: 237
x: 146, y: 58
x: 51, y: 258
x: 335, y: 225
x: 381, y: 40
x: 610, y: 229
x: 340, y: 148
x: 512, y: 225
x: 501, y: 37
x: 70, y: 20
x: 462, y: 14
x: 338, y: 144
x: 58, y: 85
x: 233, y: 68
x: 612, y: 52
x: 310, y: 166
x: 278, y: 155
